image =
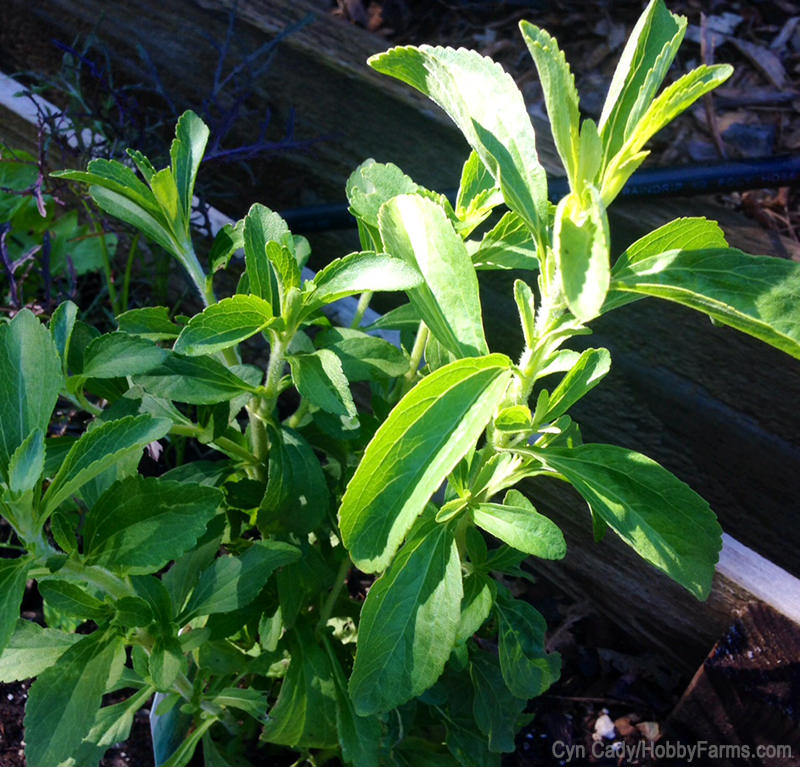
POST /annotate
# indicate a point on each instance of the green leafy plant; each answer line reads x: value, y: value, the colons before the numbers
x: 221, y: 584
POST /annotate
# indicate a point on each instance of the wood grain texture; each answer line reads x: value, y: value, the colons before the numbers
x: 747, y: 691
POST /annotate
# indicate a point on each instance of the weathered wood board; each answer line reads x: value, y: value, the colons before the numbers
x: 746, y: 694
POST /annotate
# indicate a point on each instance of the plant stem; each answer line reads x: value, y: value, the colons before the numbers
x: 338, y: 584
x: 112, y: 291
x: 126, y: 282
x: 83, y: 403
x: 417, y: 351
x: 96, y: 576
x: 223, y: 444
x: 363, y: 305
x: 295, y: 418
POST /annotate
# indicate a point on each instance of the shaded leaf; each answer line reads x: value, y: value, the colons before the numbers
x: 662, y: 518
x: 64, y: 700
x: 97, y: 450
x: 141, y: 523
x: 30, y: 380
x: 517, y: 523
x: 408, y: 623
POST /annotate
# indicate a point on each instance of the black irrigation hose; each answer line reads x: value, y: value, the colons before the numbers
x: 652, y: 182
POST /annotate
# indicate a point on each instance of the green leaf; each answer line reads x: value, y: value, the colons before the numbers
x: 99, y: 449
x: 262, y: 225
x: 478, y: 194
x: 526, y: 306
x: 404, y: 317
x: 123, y: 208
x: 581, y: 245
x: 680, y: 234
x: 61, y: 323
x: 166, y: 662
x: 758, y: 295
x: 508, y: 245
x: 359, y: 272
x: 115, y: 177
x: 229, y: 239
x: 418, y: 230
x: 182, y: 755
x: 186, y: 152
x: 141, y: 523
x: 650, y: 49
x: 116, y: 355
x: 373, y: 183
x: 195, y: 381
x: 182, y: 577
x: 286, y: 269
x: 297, y: 497
x: 224, y: 324
x: 64, y: 699
x: 151, y: 322
x: 413, y: 451
x: 662, y: 518
x: 319, y: 377
x: 560, y: 96
x: 589, y: 369
x: 232, y: 582
x: 112, y: 725
x: 359, y: 736
x: 31, y: 649
x: 675, y: 99
x: 476, y: 604
x: 70, y: 599
x: 165, y: 190
x: 363, y: 357
x: 517, y: 523
x: 132, y: 611
x: 516, y: 418
x: 30, y: 380
x: 489, y: 110
x: 13, y: 578
x: 495, y: 708
x: 27, y: 463
x: 252, y: 702
x: 527, y: 668
x: 144, y: 165
x: 408, y: 622
x: 304, y: 716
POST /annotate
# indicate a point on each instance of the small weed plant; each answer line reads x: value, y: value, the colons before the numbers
x: 344, y: 464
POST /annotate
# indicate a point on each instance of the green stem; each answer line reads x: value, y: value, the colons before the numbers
x: 296, y: 418
x: 223, y: 444
x: 112, y: 291
x: 402, y: 385
x: 84, y: 404
x: 188, y: 258
x: 363, y: 305
x: 338, y: 585
x: 126, y: 282
x: 95, y: 576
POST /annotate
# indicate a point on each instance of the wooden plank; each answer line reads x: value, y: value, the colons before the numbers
x: 746, y: 692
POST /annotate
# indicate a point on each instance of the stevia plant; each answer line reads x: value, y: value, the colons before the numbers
x: 221, y: 583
